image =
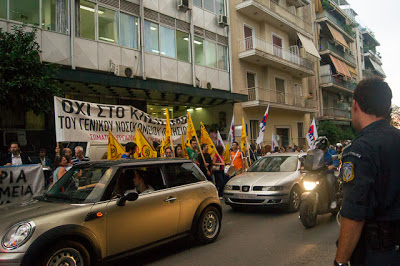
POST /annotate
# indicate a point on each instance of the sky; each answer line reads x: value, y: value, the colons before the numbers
x: 382, y: 18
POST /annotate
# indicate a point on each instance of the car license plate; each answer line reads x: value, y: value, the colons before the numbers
x: 242, y: 196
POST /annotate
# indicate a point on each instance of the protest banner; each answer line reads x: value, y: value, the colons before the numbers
x: 90, y: 122
x: 20, y: 183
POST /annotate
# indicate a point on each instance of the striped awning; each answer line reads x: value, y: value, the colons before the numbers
x: 340, y: 66
x: 352, y: 70
x: 337, y: 36
x: 378, y: 68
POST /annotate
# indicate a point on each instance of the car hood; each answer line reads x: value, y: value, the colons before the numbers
x: 14, y: 213
x: 259, y: 178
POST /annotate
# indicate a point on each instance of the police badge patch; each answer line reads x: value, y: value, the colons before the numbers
x: 348, y: 171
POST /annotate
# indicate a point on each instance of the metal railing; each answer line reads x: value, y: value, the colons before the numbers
x: 339, y: 81
x: 336, y: 112
x: 260, y: 94
x: 287, y: 14
x: 290, y: 16
x: 254, y: 43
x: 334, y: 20
x: 325, y: 45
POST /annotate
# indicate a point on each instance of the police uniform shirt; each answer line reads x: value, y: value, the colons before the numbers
x: 370, y: 173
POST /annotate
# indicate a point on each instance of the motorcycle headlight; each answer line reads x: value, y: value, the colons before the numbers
x: 17, y: 235
x: 310, y: 185
x: 272, y: 188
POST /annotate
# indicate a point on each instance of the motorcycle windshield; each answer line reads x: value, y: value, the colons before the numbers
x: 314, y: 160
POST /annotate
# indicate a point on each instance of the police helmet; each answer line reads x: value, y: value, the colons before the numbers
x: 321, y: 143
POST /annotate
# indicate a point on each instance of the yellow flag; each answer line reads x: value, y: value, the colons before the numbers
x: 184, y: 152
x: 168, y: 129
x: 144, y: 149
x: 115, y: 149
x: 205, y: 138
x: 227, y: 154
x: 190, y: 131
x: 318, y: 6
x: 243, y: 138
x: 164, y: 144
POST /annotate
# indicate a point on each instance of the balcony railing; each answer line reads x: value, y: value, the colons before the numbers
x: 325, y: 45
x: 337, y: 80
x: 260, y: 94
x: 254, y: 43
x: 284, y: 13
x: 336, y: 112
x: 336, y: 21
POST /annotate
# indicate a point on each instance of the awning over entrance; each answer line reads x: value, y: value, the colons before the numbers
x: 308, y: 45
x: 378, y: 68
x: 340, y: 66
x: 337, y: 36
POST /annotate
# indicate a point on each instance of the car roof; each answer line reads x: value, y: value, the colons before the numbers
x: 299, y: 154
x: 135, y: 162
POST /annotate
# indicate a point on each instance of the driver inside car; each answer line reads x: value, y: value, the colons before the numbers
x: 140, y: 181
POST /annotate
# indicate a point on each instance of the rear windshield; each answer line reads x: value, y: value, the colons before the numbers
x: 275, y: 164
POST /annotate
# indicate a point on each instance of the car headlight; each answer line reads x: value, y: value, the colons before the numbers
x: 17, y: 235
x: 310, y: 185
x: 228, y: 187
x: 272, y: 188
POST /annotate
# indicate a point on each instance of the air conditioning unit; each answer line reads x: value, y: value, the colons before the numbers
x: 203, y: 84
x: 223, y: 21
x: 123, y: 71
x: 184, y: 5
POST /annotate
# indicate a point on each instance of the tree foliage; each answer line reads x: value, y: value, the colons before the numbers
x: 26, y: 84
x: 395, y: 117
x: 335, y: 133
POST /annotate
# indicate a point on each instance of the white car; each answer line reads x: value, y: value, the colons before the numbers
x: 272, y: 180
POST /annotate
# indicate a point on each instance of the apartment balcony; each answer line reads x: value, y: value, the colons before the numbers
x: 276, y: 15
x: 374, y: 56
x: 260, y: 52
x: 326, y: 16
x: 327, y: 46
x: 329, y: 81
x: 281, y: 100
x: 337, y: 113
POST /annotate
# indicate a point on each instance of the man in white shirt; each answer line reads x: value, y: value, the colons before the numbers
x: 15, y: 157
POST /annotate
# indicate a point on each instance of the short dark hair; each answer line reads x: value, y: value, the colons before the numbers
x: 203, y: 145
x: 15, y: 142
x: 193, y: 139
x: 235, y: 142
x: 374, y: 97
x: 42, y: 150
x: 167, y: 148
x: 130, y: 146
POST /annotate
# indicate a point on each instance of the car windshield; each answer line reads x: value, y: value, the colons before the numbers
x: 81, y: 184
x: 275, y: 164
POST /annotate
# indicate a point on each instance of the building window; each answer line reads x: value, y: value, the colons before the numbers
x: 220, y: 7
x: 3, y: 9
x: 280, y: 90
x: 129, y: 31
x: 182, y: 46
x: 197, y: 3
x: 167, y: 41
x: 25, y: 11
x: 85, y: 26
x: 211, y: 54
x: 151, y: 37
x: 222, y: 57
x: 108, y: 25
x: 209, y: 5
x: 55, y: 15
x: 198, y: 51
x: 254, y: 129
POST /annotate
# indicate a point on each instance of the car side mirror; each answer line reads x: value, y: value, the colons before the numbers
x: 129, y: 195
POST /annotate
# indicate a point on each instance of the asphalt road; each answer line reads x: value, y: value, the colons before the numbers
x: 252, y: 237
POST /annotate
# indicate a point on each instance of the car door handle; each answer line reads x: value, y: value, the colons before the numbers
x: 170, y: 199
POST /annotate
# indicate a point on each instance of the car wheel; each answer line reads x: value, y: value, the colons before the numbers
x: 209, y: 225
x: 294, y: 200
x: 67, y: 253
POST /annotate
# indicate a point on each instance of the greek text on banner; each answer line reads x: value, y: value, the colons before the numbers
x: 90, y: 122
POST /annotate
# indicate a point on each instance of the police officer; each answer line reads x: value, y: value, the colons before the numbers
x: 369, y: 233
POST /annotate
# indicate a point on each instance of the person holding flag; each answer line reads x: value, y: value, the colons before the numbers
x: 244, y: 143
x: 191, y: 140
x: 205, y: 139
x: 168, y: 132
